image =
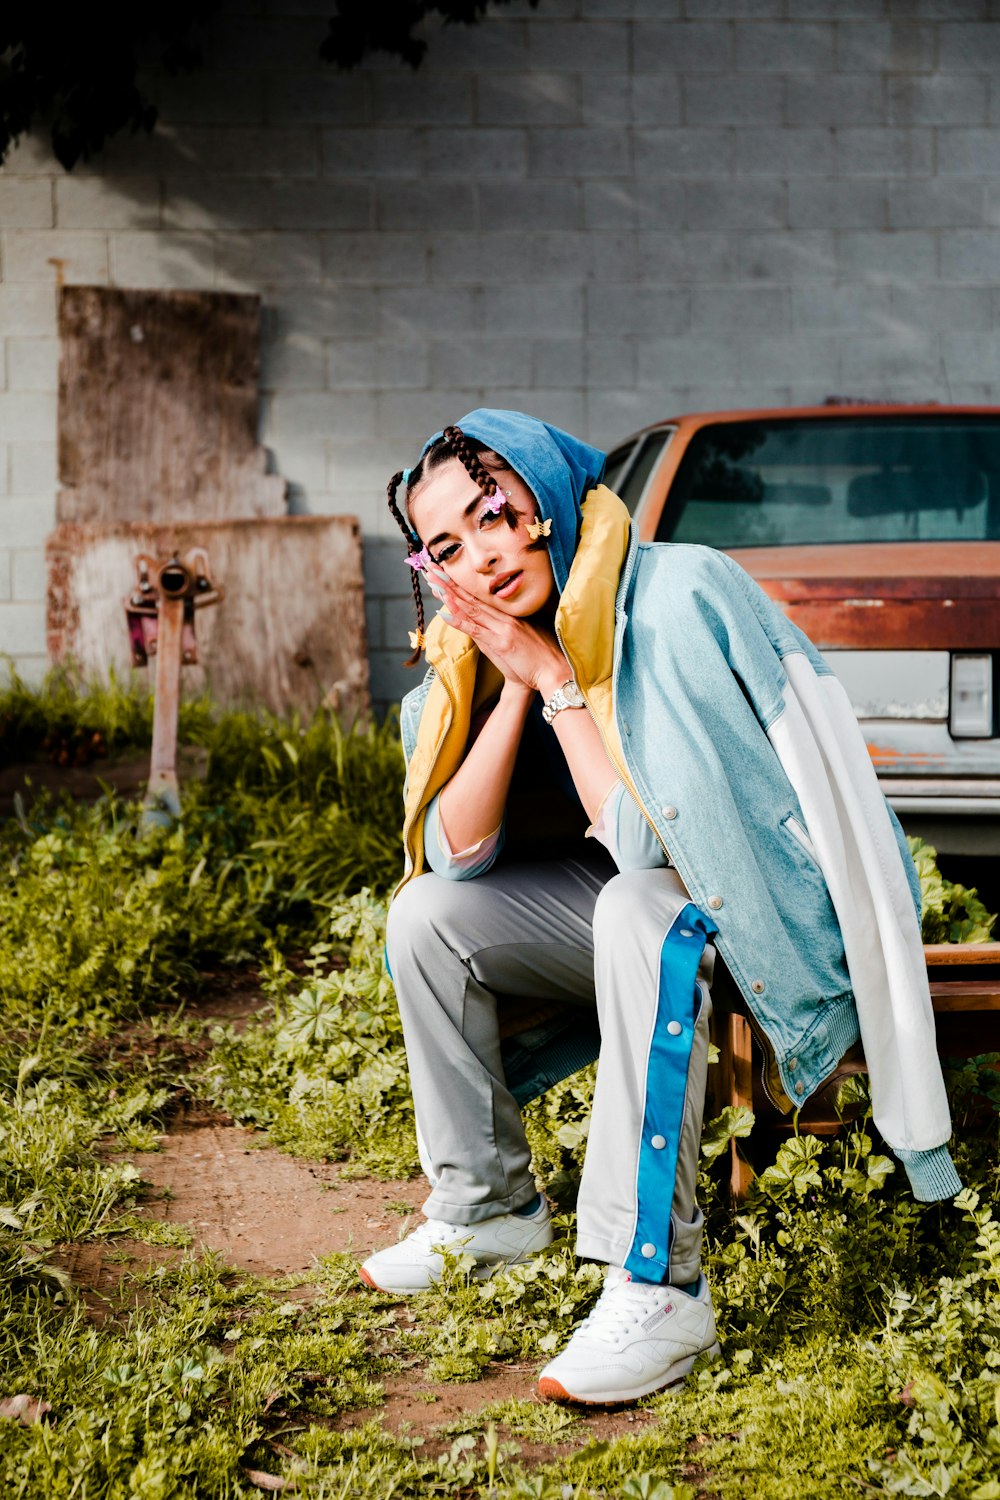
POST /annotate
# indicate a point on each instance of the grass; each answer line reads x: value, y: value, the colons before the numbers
x: 861, y: 1331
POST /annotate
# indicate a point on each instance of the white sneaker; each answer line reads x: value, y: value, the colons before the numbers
x: 638, y: 1339
x: 414, y: 1264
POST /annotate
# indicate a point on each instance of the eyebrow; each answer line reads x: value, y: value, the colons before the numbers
x: 443, y: 535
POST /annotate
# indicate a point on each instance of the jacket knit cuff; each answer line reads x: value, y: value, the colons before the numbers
x: 932, y: 1174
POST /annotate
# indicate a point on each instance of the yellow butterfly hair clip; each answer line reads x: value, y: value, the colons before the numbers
x: 417, y: 640
x: 539, y: 528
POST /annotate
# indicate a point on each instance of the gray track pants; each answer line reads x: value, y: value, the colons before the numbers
x: 577, y: 932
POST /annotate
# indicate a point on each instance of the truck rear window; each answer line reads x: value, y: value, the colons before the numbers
x: 909, y: 479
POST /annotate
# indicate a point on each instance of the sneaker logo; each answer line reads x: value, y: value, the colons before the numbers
x: 657, y: 1318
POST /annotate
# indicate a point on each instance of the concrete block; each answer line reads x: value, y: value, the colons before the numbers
x: 28, y: 309
x: 360, y: 466
x: 736, y: 10
x: 970, y: 255
x: 614, y: 413
x: 373, y: 623
x: 794, y: 256
x: 28, y: 574
x: 733, y: 99
x: 884, y: 153
x: 630, y: 8
x: 681, y: 360
x: 534, y: 310
x: 536, y: 205
x: 968, y: 46
x: 762, y: 360
x: 4, y: 471
x: 941, y: 10
x: 941, y: 203
x: 611, y: 103
x: 107, y: 203
x: 29, y: 255
x: 593, y: 255
x: 563, y: 408
x: 830, y: 100
x: 687, y: 255
x: 160, y: 258
x: 27, y: 521
x: 332, y: 312
x: 428, y: 312
x: 389, y: 679
x: 960, y: 309
x: 528, y: 99
x: 785, y: 47
x: 877, y: 365
x: 579, y: 151
x: 307, y: 416
x: 295, y: 363
x: 498, y: 44
x: 617, y: 204
x: 483, y: 152
x: 386, y: 575
x: 399, y: 365
x: 803, y: 152
x: 893, y: 255
x: 202, y: 201
x: 971, y: 356
x: 26, y: 203
x: 315, y: 98
x: 32, y: 364
x: 375, y: 258
x: 27, y: 416
x: 684, y: 153
x: 258, y: 260
x: 610, y: 361
x: 445, y: 204
x: 494, y: 362
x: 760, y: 203
x: 663, y: 204
x: 214, y: 97
x: 663, y: 47
x: 743, y: 309
x: 637, y: 311
x: 557, y: 362
x: 251, y: 151
x: 938, y: 99
x: 656, y: 99
x: 6, y: 581
x: 408, y: 418
x: 968, y: 152
x: 371, y: 152
x: 837, y: 203
x: 885, y: 46
x: 399, y: 617
x: 595, y: 47
x: 849, y: 305
x: 482, y: 259
x: 22, y: 629
x: 422, y: 98
x: 350, y: 363
x: 33, y: 467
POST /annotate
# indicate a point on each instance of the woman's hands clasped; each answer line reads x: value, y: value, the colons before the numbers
x: 527, y: 655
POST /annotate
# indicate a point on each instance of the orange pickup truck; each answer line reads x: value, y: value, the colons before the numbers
x: 877, y: 529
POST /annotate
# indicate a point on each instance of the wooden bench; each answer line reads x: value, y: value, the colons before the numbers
x: 964, y: 982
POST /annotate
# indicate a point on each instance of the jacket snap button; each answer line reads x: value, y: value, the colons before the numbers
x: 669, y: 813
x: 758, y: 986
x: 793, y: 1063
x: 649, y: 1251
x: 800, y: 1088
x: 715, y: 902
x: 675, y: 1028
x: 658, y: 1142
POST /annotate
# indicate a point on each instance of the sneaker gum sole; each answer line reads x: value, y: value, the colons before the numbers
x: 553, y: 1390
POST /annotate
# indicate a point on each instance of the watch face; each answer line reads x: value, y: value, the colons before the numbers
x: 573, y: 695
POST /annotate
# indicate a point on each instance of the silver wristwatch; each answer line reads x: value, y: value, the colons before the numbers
x: 567, y: 696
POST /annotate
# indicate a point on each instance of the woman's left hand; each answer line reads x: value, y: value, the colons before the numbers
x: 526, y: 654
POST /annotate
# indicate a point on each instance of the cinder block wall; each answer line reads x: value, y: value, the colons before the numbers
x: 603, y: 210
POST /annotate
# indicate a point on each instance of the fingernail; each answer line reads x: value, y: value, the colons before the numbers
x: 444, y: 615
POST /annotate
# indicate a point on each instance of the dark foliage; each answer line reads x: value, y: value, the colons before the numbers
x: 73, y: 70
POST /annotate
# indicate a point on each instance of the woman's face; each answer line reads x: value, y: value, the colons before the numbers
x: 478, y: 549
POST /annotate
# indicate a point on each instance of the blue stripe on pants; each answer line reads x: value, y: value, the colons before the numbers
x: 677, y: 1003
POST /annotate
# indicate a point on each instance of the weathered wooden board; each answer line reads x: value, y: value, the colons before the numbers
x: 158, y: 407
x: 289, y: 634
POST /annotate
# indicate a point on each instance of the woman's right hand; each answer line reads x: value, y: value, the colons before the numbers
x: 525, y: 653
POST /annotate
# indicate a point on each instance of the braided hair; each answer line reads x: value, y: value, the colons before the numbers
x: 453, y: 443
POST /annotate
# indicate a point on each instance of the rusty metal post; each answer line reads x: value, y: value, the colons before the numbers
x: 161, y: 619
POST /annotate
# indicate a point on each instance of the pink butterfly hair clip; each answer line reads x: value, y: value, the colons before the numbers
x: 419, y: 561
x: 496, y: 502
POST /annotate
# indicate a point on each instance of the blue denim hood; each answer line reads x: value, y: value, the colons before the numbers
x: 558, y: 469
